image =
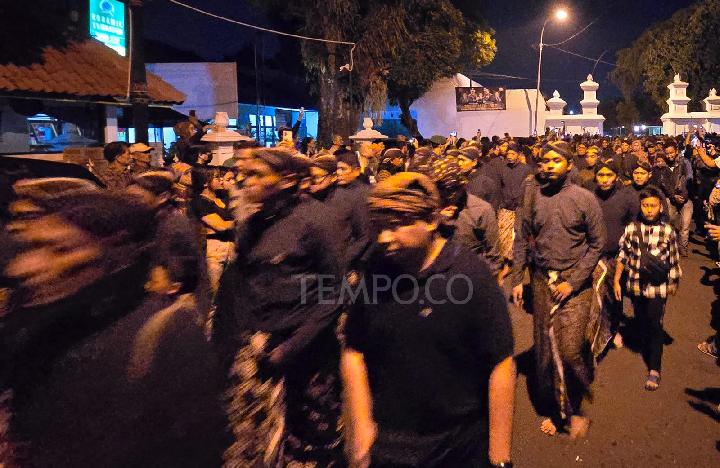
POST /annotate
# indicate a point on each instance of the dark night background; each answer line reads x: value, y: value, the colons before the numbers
x: 517, y: 24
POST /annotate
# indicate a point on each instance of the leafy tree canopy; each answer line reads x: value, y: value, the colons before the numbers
x: 687, y: 43
x: 403, y: 46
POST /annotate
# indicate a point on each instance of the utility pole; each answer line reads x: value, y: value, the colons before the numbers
x: 139, y: 97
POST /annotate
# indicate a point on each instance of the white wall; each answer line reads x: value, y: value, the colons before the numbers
x: 578, y: 124
x: 437, y: 113
x: 210, y: 87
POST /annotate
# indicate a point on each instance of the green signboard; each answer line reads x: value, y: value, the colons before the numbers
x: 107, y: 23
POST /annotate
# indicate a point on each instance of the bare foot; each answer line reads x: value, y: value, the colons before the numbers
x: 579, y: 426
x: 618, y: 340
x: 548, y: 427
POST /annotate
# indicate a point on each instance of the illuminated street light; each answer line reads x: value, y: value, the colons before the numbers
x: 561, y: 15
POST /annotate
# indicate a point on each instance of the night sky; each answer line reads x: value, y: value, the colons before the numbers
x: 517, y: 23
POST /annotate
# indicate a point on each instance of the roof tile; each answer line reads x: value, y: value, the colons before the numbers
x: 87, y: 69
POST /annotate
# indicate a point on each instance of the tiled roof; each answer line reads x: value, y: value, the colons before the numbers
x: 88, y: 70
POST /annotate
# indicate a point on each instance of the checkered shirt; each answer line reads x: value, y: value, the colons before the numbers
x: 661, y: 241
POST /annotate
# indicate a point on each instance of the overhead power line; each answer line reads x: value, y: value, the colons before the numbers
x: 574, y: 35
x: 271, y: 31
x: 499, y: 76
x: 582, y: 56
x: 252, y: 26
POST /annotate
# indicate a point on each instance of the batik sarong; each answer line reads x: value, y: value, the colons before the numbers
x: 282, y: 419
x: 8, y: 447
x: 563, y: 351
x: 506, y: 231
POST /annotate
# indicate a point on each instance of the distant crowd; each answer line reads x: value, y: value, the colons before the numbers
x: 313, y: 307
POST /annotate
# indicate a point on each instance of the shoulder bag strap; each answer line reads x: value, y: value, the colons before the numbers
x: 643, y: 246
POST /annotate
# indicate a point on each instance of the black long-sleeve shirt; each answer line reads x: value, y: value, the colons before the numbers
x: 620, y: 207
x: 512, y: 178
x: 485, y: 188
x: 674, y: 180
x: 275, y: 286
x: 476, y: 228
x: 567, y: 226
x: 626, y: 163
x: 349, y: 204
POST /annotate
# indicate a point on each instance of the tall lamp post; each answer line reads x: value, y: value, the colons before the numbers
x: 560, y: 15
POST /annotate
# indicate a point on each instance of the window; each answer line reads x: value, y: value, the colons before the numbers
x: 266, y: 133
x: 42, y: 129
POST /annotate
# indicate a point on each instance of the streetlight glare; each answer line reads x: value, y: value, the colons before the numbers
x: 561, y: 14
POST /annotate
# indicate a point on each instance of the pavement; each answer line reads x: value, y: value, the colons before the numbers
x: 678, y: 425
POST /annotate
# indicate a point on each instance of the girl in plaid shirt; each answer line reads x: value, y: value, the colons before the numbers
x: 650, y: 281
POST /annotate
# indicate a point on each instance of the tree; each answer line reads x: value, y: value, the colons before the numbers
x: 441, y: 43
x: 627, y: 113
x: 687, y: 43
x: 608, y: 109
x: 402, y: 47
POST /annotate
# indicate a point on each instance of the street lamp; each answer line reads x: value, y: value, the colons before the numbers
x: 560, y: 15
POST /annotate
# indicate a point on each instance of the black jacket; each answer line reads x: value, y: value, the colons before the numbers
x: 620, y: 207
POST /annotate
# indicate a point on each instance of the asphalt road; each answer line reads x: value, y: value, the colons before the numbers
x: 674, y: 426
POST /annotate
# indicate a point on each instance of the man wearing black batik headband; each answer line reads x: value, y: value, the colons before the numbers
x: 276, y: 328
x: 560, y: 227
x: 428, y: 370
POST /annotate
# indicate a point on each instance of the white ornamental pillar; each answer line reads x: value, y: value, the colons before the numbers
x: 712, y: 109
x: 678, y: 101
x: 677, y: 119
x: 556, y: 104
x: 590, y: 102
x: 364, y: 138
x: 221, y: 139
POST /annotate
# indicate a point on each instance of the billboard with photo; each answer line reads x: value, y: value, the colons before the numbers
x: 480, y: 98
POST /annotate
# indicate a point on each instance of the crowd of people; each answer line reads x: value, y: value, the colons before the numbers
x: 307, y: 307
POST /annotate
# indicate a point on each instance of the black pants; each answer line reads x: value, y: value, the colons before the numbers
x: 613, y: 307
x: 649, y: 316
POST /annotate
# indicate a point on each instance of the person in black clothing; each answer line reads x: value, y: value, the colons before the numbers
x: 625, y: 161
x: 641, y: 176
x: 295, y: 130
x: 674, y: 179
x: 480, y: 184
x: 94, y: 373
x: 275, y: 322
x: 466, y: 218
x: 427, y: 383
x: 560, y: 233
x: 512, y: 174
x: 214, y: 216
x: 349, y: 203
x: 704, y: 181
x: 620, y: 207
x: 589, y: 164
x: 323, y: 177
x: 177, y: 236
